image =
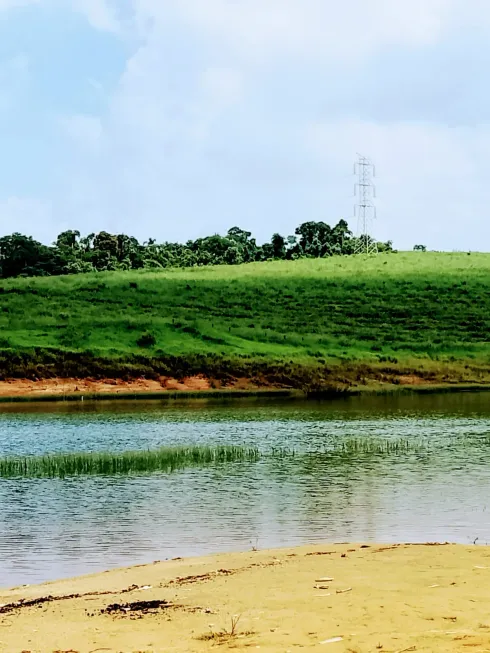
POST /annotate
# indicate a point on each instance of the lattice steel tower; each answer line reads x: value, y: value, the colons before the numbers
x: 365, y: 210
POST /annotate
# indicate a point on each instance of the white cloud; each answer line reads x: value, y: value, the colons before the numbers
x: 12, y: 4
x: 222, y: 86
x: 207, y: 120
x: 100, y: 14
x: 431, y: 181
x: 352, y: 28
x: 160, y: 107
x: 85, y: 131
x: 171, y: 108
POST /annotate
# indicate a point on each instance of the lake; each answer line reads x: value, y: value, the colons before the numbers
x: 53, y: 528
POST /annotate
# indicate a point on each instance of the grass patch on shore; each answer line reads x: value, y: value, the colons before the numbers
x: 165, y: 459
x: 305, y: 322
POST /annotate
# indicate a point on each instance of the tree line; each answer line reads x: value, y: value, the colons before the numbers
x: 73, y: 253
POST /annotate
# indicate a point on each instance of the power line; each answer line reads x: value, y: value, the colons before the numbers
x: 365, y: 210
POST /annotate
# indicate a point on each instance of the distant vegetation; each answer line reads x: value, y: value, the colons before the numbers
x: 73, y: 254
x: 304, y: 323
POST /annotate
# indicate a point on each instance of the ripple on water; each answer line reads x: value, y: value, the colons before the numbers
x: 51, y: 528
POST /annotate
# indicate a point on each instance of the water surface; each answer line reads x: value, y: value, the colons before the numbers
x: 52, y: 528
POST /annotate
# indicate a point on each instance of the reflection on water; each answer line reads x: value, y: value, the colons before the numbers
x: 51, y: 528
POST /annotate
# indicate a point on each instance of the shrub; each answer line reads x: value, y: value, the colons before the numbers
x: 147, y: 339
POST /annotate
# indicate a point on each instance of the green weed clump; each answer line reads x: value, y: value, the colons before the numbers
x: 381, y: 446
x: 166, y: 459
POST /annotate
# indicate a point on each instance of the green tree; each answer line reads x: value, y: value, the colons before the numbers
x: 315, y: 239
x: 22, y: 255
x: 278, y: 246
x: 68, y: 239
x: 72, y: 253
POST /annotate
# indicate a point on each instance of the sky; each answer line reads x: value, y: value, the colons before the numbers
x: 175, y: 119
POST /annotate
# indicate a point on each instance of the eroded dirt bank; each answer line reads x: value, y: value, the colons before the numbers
x: 343, y: 598
x: 72, y: 386
x: 91, y: 387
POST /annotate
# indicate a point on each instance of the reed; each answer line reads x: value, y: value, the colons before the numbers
x: 384, y: 446
x: 168, y: 459
x: 381, y: 446
x: 165, y: 459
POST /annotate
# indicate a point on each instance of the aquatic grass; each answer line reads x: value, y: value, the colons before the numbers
x: 354, y: 446
x: 357, y: 446
x: 165, y: 459
x: 168, y: 459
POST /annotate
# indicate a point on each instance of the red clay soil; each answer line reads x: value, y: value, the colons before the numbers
x: 91, y: 386
x: 412, y: 379
x: 70, y: 386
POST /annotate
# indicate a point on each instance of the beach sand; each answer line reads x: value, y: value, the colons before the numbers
x: 342, y: 598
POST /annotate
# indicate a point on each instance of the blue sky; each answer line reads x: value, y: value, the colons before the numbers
x: 175, y: 119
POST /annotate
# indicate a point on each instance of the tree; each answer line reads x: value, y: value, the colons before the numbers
x: 385, y: 247
x: 341, y: 237
x: 246, y: 244
x: 22, y: 255
x: 278, y: 246
x: 86, y: 243
x: 129, y: 252
x: 315, y: 239
x: 241, y: 236
x: 419, y: 248
x: 68, y: 239
x: 106, y: 242
x: 72, y: 254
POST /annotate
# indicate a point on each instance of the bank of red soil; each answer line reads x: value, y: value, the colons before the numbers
x: 91, y: 386
x: 374, y: 379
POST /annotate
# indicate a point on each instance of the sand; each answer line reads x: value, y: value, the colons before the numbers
x: 341, y: 598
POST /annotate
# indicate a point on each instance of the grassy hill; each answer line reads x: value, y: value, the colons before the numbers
x: 344, y: 318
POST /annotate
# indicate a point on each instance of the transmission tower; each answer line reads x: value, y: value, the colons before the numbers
x: 365, y: 210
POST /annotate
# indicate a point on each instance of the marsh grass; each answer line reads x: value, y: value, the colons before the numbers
x: 169, y: 459
x: 166, y: 459
x: 352, y: 447
x: 381, y: 446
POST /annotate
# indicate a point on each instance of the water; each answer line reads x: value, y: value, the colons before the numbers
x: 53, y: 528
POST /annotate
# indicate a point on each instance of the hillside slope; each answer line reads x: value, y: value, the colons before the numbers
x: 342, y: 318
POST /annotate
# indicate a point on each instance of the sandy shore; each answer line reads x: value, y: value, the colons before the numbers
x: 342, y: 598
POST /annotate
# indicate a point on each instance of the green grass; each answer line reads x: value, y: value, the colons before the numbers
x: 424, y: 313
x: 166, y: 459
x: 169, y: 459
x: 351, y: 448
x: 380, y: 446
